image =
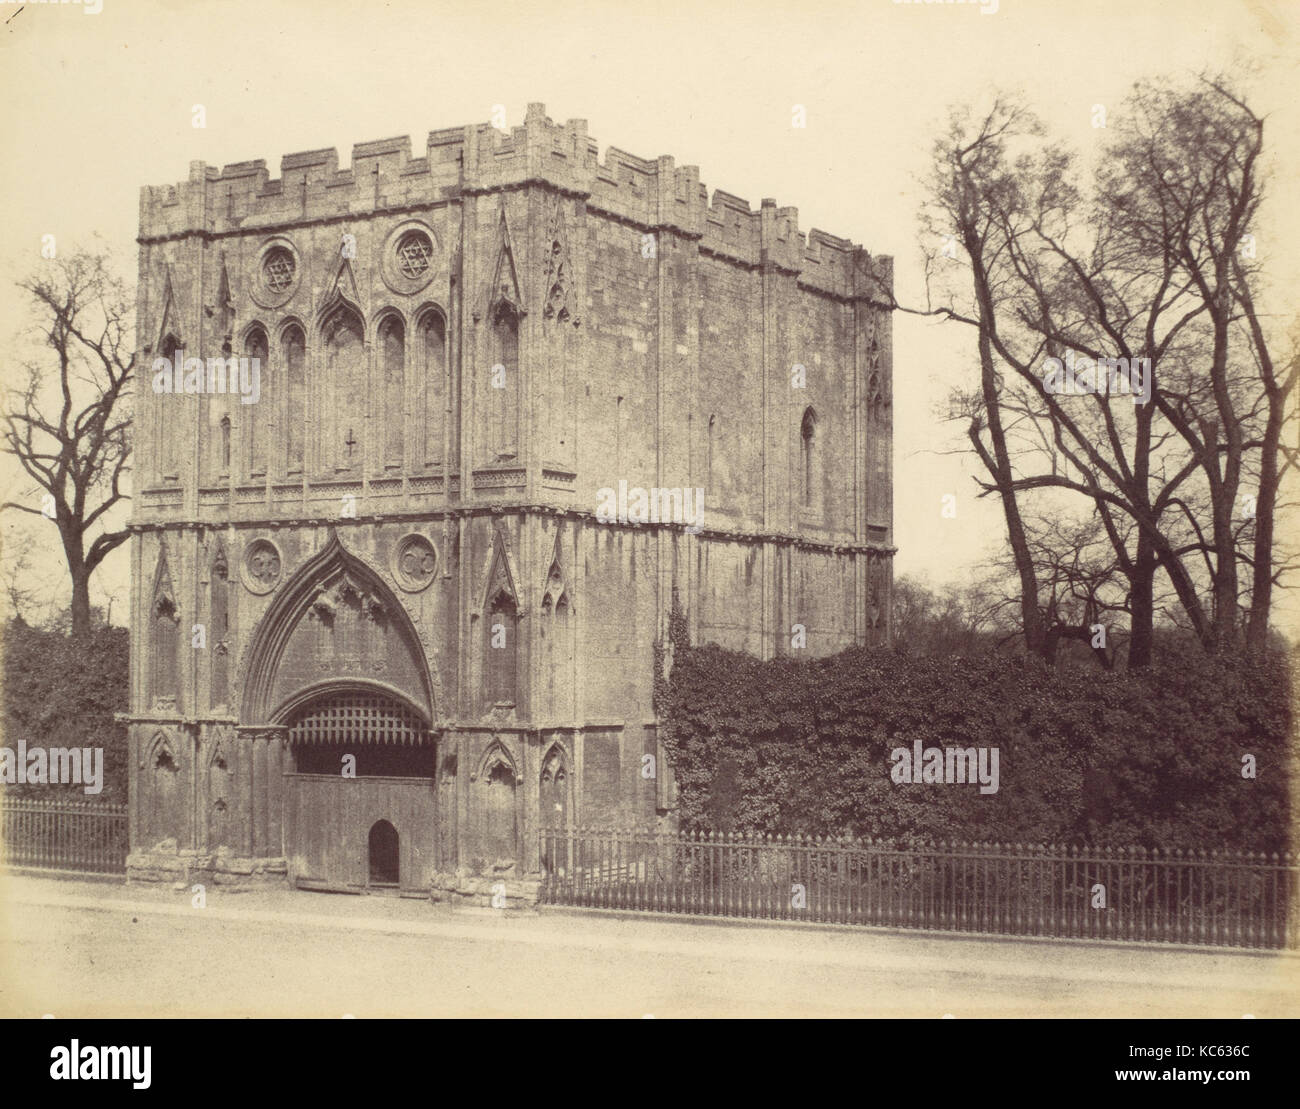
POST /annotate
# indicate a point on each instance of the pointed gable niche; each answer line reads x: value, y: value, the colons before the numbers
x: 559, y: 271
x: 504, y: 292
x: 225, y: 304
x: 339, y: 290
x: 169, y: 327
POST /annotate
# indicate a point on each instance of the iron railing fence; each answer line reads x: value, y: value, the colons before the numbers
x: 64, y: 835
x: 1225, y: 898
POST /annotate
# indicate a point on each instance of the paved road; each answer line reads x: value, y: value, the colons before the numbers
x: 76, y: 949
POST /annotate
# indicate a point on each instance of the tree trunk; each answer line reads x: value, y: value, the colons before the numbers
x: 81, y: 604
x: 1261, y: 581
x: 1142, y: 606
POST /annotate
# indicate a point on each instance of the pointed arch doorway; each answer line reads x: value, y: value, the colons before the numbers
x: 337, y: 667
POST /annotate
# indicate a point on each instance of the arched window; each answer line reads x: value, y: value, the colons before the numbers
x: 433, y: 344
x: 165, y: 427
x: 216, y: 416
x: 558, y: 659
x: 392, y: 347
x: 165, y: 813
x: 808, y: 447
x: 546, y: 652
x: 219, y: 632
x: 708, y: 465
x: 502, y: 649
x: 164, y: 638
x: 345, y: 373
x: 258, y: 418
x: 222, y: 829
x: 554, y: 811
x: 503, y: 386
x: 294, y: 346
x: 554, y: 808
x: 497, y: 824
x: 166, y: 649
x: 225, y: 446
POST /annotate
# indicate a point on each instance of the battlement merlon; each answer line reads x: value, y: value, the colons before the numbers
x: 654, y: 195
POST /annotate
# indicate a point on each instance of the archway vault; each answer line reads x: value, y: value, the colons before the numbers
x: 335, y: 623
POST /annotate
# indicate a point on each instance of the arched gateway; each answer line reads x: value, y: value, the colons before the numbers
x: 337, y: 668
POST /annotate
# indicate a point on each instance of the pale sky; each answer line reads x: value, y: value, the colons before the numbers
x: 97, y: 105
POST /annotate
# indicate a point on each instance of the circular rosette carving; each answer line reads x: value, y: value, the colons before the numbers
x: 276, y: 273
x: 411, y: 257
x: 414, y: 563
x: 262, y: 566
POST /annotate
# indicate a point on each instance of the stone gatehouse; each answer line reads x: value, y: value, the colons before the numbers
x: 382, y: 631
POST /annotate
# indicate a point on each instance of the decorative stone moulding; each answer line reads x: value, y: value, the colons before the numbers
x: 262, y: 567
x: 277, y: 273
x: 415, y: 561
x: 411, y: 257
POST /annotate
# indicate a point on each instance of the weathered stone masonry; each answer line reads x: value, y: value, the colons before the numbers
x: 394, y: 554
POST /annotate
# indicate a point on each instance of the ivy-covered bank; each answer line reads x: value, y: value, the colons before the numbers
x: 1188, y: 756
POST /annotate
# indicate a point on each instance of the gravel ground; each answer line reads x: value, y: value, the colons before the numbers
x: 82, y: 948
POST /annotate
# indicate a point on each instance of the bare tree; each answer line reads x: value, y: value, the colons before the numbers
x: 1152, y: 270
x: 953, y: 621
x: 68, y: 424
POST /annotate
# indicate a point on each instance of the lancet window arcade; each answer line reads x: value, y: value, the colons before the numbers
x: 433, y: 383
x: 809, y: 477
x: 257, y: 416
x: 502, y: 650
x: 345, y: 393
x: 392, y: 354
x: 503, y: 391
x: 293, y: 345
x: 397, y: 386
x: 219, y: 630
x: 166, y: 454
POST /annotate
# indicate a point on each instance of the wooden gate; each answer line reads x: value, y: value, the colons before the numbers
x: 361, y: 776
x: 328, y: 823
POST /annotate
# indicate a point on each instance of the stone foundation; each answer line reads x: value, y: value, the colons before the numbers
x: 463, y: 888
x: 230, y: 872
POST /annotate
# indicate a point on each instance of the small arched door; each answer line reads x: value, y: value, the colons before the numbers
x: 384, y: 854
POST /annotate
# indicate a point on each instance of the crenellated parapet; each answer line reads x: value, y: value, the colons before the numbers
x: 652, y: 194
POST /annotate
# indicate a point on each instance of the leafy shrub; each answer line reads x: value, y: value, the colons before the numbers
x: 1143, y: 758
x: 63, y: 692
